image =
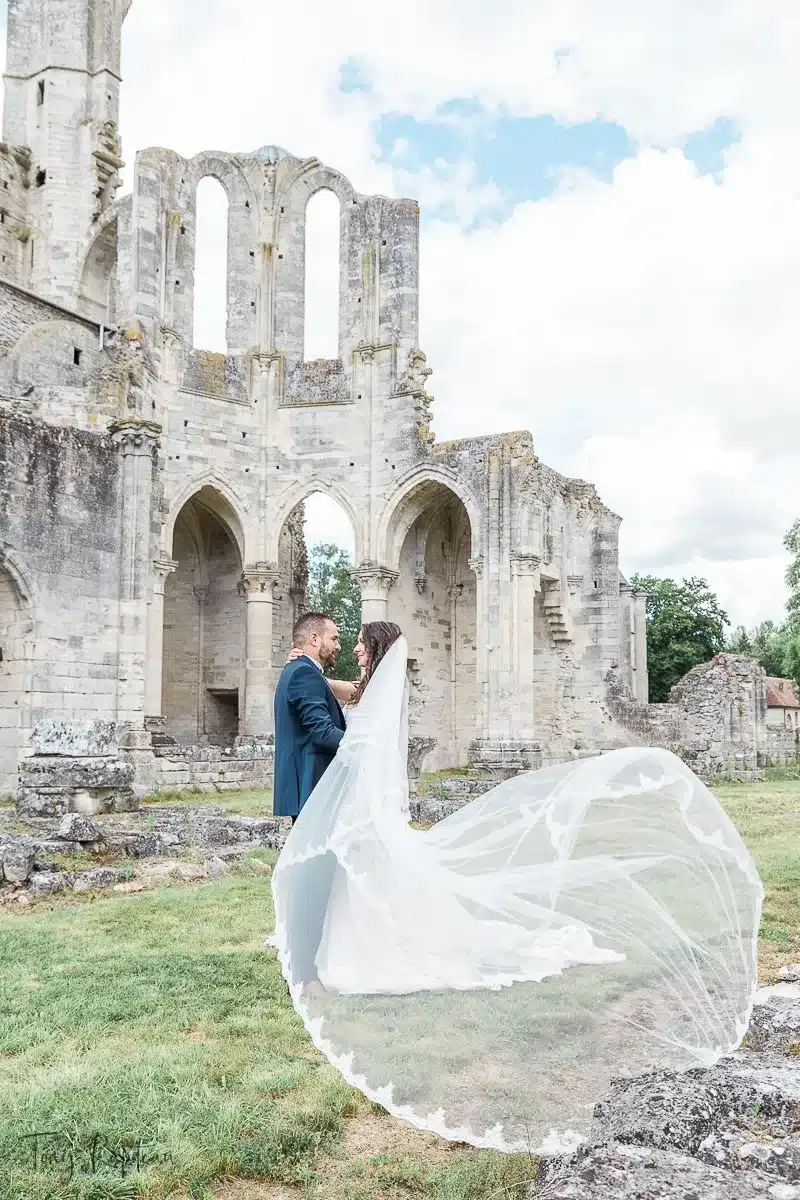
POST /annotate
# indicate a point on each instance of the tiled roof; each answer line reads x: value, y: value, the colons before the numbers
x: 781, y: 693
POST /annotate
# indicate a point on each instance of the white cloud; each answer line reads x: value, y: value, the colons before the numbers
x: 645, y: 330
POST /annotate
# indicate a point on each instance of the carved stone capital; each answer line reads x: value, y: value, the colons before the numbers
x: 420, y: 581
x: 133, y: 436
x: 455, y: 592
x: 476, y: 565
x: 526, y: 564
x: 162, y: 567
x: 574, y: 583
x: 376, y: 582
x: 259, y: 581
x: 201, y: 593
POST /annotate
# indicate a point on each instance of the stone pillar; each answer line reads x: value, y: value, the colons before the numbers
x: 137, y: 442
x: 376, y: 583
x: 162, y: 567
x: 641, y: 682
x: 258, y: 585
x: 201, y: 595
x: 481, y: 664
x: 454, y: 593
x: 525, y: 582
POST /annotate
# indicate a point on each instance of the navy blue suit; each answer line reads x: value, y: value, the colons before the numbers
x: 309, y: 725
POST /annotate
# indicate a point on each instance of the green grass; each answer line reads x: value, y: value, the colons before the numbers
x: 247, y: 803
x: 160, y: 1017
x: 768, y: 817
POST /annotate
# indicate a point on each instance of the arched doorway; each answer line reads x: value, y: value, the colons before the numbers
x: 316, y: 556
x: 434, y: 600
x: 204, y: 625
x: 15, y: 645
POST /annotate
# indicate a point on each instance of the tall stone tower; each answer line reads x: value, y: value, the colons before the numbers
x: 62, y: 104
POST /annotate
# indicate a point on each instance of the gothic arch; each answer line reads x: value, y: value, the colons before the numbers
x: 295, y: 496
x: 221, y: 499
x: 419, y: 491
x: 98, y: 270
x: 54, y: 368
x: 225, y: 169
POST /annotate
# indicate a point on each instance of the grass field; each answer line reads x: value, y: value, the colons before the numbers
x: 159, y: 1022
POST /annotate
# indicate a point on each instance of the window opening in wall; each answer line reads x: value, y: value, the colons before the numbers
x: 322, y: 276
x: 76, y: 357
x: 211, y: 267
x: 330, y: 544
x: 40, y: 92
x: 41, y: 178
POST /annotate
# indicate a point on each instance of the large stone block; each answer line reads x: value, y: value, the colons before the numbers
x: 75, y: 739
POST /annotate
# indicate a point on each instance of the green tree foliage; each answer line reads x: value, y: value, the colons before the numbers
x: 332, y: 589
x: 792, y: 544
x: 767, y: 642
x: 685, y: 626
x: 777, y: 647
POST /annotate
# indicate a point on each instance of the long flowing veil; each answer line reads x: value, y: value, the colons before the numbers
x: 486, y: 978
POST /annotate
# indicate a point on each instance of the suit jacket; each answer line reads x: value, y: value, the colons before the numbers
x: 309, y: 724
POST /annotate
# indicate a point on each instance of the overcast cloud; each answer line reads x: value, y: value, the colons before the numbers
x: 635, y: 308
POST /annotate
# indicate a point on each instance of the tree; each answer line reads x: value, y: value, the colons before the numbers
x: 332, y: 589
x: 685, y: 626
x: 768, y: 643
x: 792, y: 656
x: 792, y: 543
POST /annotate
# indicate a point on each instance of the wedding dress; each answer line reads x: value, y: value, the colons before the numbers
x: 485, y: 979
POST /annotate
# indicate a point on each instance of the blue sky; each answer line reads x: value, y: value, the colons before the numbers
x: 524, y: 158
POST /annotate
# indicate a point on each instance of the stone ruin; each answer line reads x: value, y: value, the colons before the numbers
x: 728, y: 1133
x: 152, y: 555
x: 75, y: 768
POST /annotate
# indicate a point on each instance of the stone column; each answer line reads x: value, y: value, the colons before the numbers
x: 201, y: 595
x: 137, y: 442
x: 641, y: 683
x: 525, y: 582
x: 454, y: 593
x: 481, y: 664
x: 162, y: 567
x: 258, y: 585
x: 376, y: 583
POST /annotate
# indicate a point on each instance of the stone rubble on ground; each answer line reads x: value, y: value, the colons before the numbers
x: 728, y: 1133
x: 157, y: 841
x: 75, y: 827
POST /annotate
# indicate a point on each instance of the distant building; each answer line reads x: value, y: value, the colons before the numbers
x: 783, y: 706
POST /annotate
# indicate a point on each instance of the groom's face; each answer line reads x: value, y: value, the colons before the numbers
x: 328, y: 646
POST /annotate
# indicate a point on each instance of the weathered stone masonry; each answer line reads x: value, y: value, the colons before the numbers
x: 158, y: 562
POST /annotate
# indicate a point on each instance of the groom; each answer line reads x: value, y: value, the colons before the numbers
x: 308, y: 720
x: 309, y: 726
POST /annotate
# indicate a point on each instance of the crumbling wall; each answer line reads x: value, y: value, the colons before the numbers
x: 59, y: 531
x: 715, y: 718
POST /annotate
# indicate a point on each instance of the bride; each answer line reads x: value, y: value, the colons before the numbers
x: 486, y: 978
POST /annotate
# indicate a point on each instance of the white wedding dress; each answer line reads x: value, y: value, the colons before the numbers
x: 486, y: 978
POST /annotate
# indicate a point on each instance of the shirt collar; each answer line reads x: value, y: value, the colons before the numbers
x: 316, y: 664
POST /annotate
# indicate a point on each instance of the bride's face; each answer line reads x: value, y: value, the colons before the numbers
x: 362, y: 654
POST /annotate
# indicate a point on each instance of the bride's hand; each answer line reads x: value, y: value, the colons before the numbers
x: 293, y: 654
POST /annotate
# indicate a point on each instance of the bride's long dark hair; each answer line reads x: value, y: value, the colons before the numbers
x: 378, y: 637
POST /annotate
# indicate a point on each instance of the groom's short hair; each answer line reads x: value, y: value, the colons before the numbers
x: 309, y: 624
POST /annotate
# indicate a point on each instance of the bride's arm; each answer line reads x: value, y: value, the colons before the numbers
x: 342, y: 689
